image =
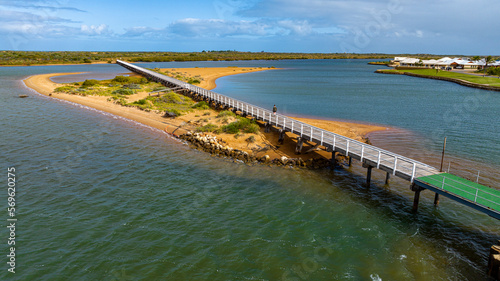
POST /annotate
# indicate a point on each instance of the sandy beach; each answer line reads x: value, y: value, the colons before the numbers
x: 265, y: 144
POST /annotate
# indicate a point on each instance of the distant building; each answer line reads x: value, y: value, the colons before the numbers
x: 443, y: 63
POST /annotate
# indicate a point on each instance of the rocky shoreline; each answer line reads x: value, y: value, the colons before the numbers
x: 218, y: 147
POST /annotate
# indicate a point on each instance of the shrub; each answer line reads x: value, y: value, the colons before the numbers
x: 194, y: 81
x: 242, y: 124
x: 252, y: 129
x: 125, y: 92
x: 226, y: 113
x: 172, y: 113
x: 121, y: 101
x: 89, y: 83
x: 63, y: 89
x: 206, y: 113
x: 131, y: 86
x: 250, y: 139
x: 85, y: 60
x: 140, y: 102
x: 201, y: 105
x: 207, y: 128
x: 171, y: 98
x: 493, y: 71
x: 121, y: 79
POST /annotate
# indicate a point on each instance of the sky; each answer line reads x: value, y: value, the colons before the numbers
x: 460, y: 27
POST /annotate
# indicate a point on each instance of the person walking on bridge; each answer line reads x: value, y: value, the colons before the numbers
x: 275, y: 109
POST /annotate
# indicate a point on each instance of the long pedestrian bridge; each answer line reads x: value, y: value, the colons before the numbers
x: 420, y: 175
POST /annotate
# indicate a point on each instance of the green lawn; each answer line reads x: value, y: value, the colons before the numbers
x: 491, y: 81
x: 486, y: 196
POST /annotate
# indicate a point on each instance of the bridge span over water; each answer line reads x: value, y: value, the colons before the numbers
x: 420, y: 175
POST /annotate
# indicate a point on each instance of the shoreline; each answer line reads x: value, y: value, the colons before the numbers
x: 265, y: 146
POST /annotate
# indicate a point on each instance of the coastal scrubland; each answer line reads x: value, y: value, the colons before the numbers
x: 12, y: 58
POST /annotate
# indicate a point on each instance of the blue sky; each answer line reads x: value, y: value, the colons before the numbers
x: 360, y: 26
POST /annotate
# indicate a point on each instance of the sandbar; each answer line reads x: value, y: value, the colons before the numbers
x: 265, y: 144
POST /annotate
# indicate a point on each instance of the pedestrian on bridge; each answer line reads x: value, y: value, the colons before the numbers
x: 275, y: 109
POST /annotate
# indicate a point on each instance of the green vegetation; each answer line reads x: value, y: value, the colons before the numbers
x: 490, y: 81
x: 89, y: 83
x: 242, y: 124
x: 250, y: 139
x: 201, y: 105
x: 225, y: 113
x: 208, y: 128
x: 40, y: 58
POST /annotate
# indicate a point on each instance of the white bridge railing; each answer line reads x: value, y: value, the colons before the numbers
x: 398, y: 165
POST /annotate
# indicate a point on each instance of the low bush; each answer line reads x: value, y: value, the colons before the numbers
x: 64, y: 89
x: 241, y: 125
x: 226, y: 113
x: 171, y: 98
x: 131, y: 86
x: 250, y: 139
x: 125, y: 92
x: 208, y: 128
x: 172, y: 113
x: 89, y: 83
x: 201, y: 105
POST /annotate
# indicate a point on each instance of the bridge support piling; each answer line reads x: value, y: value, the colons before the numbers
x: 267, y: 127
x: 300, y: 143
x: 282, y: 136
x: 387, y: 178
x: 333, y: 161
x: 368, y: 175
x: 416, y: 199
x: 494, y: 262
x: 350, y: 161
x: 436, y: 199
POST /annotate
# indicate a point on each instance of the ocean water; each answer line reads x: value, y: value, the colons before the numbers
x: 103, y: 198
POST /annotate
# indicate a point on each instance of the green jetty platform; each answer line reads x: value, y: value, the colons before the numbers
x: 477, y: 196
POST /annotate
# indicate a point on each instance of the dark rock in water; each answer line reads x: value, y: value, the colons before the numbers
x: 23, y: 96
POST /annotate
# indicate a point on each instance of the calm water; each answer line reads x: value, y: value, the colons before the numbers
x: 103, y: 198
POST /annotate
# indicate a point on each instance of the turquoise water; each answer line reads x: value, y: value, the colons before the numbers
x: 103, y: 198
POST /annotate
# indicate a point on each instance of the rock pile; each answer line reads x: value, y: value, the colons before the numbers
x: 220, y: 148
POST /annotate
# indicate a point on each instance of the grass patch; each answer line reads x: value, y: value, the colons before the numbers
x: 491, y: 81
x: 244, y: 125
x: 226, y: 113
x: 208, y: 128
x: 202, y: 105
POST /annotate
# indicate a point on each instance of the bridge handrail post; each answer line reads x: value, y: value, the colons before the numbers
x: 347, y: 148
x: 477, y: 191
x: 395, y: 165
x: 413, y: 171
x: 362, y: 152
x: 378, y: 160
x: 321, y: 137
x: 301, y: 129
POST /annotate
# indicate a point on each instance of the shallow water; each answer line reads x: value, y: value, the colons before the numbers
x: 103, y: 198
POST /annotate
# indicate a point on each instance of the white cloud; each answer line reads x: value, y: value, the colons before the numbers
x: 93, y: 30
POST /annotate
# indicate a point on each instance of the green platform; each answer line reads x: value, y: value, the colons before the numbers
x: 469, y: 190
